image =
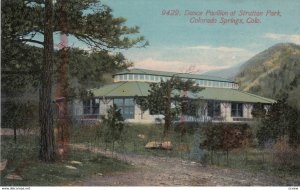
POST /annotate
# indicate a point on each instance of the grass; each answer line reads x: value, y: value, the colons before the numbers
x: 131, y: 142
x: 253, y: 160
x: 257, y: 161
x: 23, y: 156
x: 22, y: 159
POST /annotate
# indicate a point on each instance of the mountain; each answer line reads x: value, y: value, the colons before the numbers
x: 273, y: 73
x: 228, y: 73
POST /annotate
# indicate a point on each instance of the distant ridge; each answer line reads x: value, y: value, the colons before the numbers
x: 228, y: 73
x: 273, y: 73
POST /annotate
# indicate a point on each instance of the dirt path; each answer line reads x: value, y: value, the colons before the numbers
x: 160, y: 171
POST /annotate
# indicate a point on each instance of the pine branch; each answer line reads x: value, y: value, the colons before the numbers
x: 32, y: 41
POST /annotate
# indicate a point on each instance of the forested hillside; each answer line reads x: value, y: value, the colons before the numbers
x: 273, y: 73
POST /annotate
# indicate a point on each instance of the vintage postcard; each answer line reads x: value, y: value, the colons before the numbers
x: 164, y: 93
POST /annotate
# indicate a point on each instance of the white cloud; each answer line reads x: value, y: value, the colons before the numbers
x: 175, y: 66
x: 221, y: 48
x: 180, y: 59
x: 293, y: 38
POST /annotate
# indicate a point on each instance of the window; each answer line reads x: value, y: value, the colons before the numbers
x: 142, y: 77
x: 126, y: 106
x: 152, y: 78
x: 222, y: 84
x: 86, y: 107
x: 213, y: 109
x: 121, y: 77
x: 209, y: 83
x: 200, y: 82
x: 215, y: 84
x: 95, y: 106
x: 147, y: 77
x: 118, y: 101
x: 236, y: 110
x: 91, y: 106
x: 136, y: 77
x: 130, y: 77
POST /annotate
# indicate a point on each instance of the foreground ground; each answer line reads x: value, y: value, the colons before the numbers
x: 144, y: 169
x: 162, y: 171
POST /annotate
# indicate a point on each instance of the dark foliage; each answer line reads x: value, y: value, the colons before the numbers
x: 273, y: 73
x: 113, y: 125
x: 280, y: 120
x: 165, y: 93
x: 225, y: 137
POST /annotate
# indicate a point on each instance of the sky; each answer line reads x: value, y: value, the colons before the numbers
x: 179, y: 43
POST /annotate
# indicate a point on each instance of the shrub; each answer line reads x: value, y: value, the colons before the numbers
x: 225, y: 137
x: 113, y: 125
x: 280, y: 120
x: 283, y: 153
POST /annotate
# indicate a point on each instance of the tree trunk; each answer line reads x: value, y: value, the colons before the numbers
x: 167, y: 126
x: 15, y: 133
x: 211, y: 157
x: 47, y: 152
x: 168, y: 112
x: 62, y: 88
x: 227, y: 155
x: 61, y: 101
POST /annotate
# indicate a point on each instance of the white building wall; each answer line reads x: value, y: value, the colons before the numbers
x: 247, y: 109
x: 138, y: 114
x: 144, y: 117
x: 77, y: 107
x: 105, y: 105
x: 226, y: 111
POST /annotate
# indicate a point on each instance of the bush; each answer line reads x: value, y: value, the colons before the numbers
x: 283, y: 153
x: 113, y: 125
x: 18, y: 114
x: 226, y: 137
x: 280, y: 120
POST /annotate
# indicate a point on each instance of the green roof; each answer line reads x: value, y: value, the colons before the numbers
x: 231, y: 95
x: 170, y: 74
x: 130, y: 89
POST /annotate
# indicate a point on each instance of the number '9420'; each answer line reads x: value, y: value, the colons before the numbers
x: 173, y: 12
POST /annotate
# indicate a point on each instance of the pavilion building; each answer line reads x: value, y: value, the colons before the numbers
x: 223, y: 101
